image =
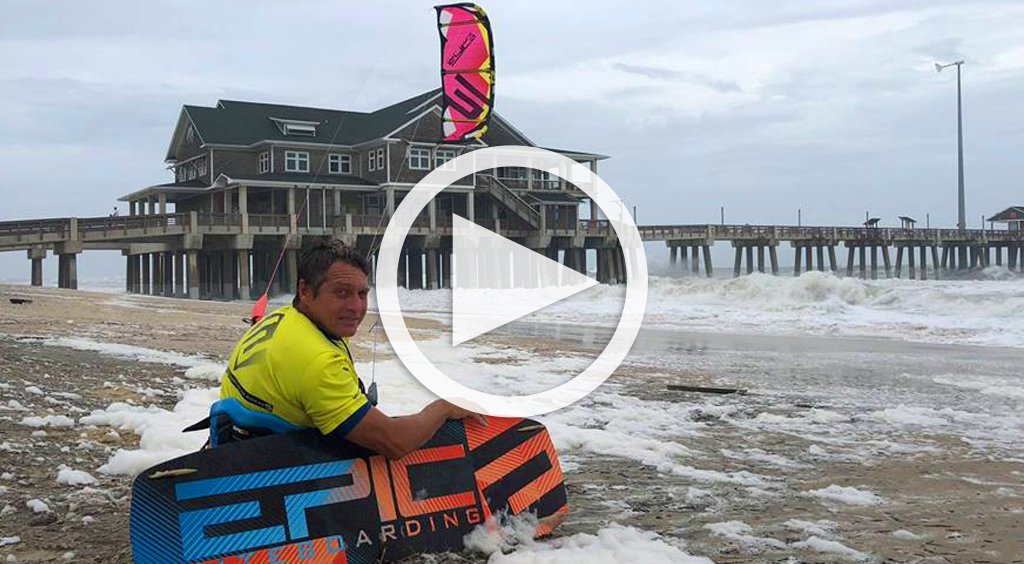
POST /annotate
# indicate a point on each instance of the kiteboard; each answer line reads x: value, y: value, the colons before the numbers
x: 298, y: 497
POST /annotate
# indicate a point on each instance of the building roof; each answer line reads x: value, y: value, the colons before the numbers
x: 175, y: 191
x: 573, y: 154
x: 234, y: 122
x: 1012, y: 213
x: 905, y: 218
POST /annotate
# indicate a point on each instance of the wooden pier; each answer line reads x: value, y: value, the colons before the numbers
x: 228, y: 256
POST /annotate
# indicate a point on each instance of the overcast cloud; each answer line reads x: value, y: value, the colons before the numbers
x: 760, y: 107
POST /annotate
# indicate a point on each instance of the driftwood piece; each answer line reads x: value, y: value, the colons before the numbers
x: 19, y: 301
x: 706, y: 390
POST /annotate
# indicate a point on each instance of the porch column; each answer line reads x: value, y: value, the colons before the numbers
x: 243, y: 207
x: 293, y: 221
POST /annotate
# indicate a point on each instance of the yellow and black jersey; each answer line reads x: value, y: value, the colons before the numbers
x: 286, y: 366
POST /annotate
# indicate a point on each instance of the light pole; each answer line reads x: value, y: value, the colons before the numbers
x: 961, y: 213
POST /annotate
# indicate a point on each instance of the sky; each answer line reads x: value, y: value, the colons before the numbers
x: 763, y: 108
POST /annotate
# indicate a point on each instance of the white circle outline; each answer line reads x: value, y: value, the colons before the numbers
x: 412, y: 357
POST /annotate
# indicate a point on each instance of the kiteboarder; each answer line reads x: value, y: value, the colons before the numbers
x: 294, y: 369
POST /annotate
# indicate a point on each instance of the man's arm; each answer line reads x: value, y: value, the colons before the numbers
x: 394, y: 437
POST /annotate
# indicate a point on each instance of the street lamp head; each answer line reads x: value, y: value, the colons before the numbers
x: 938, y: 67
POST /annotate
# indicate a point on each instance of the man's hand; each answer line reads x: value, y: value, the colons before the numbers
x: 455, y: 412
x: 394, y: 437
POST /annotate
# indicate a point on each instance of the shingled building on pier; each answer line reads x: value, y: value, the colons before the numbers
x: 260, y: 178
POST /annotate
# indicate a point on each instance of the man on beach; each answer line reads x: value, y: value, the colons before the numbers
x: 295, y: 366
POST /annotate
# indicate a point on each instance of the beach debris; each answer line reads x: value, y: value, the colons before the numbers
x: 706, y: 390
x: 172, y: 473
x: 20, y: 301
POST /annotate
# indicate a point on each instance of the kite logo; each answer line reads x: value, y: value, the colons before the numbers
x: 475, y: 107
x: 462, y: 48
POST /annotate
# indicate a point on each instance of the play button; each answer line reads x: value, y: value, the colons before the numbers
x: 497, y: 281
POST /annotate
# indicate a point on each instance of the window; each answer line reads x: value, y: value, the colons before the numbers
x: 190, y: 134
x: 295, y: 161
x: 264, y: 162
x: 372, y: 161
x: 339, y: 164
x: 419, y: 158
x: 442, y: 156
x: 374, y: 204
x: 380, y: 159
x: 512, y: 173
x: 300, y: 129
x: 201, y: 167
x: 190, y: 171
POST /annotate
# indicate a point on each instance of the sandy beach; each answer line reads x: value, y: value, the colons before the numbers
x: 845, y: 448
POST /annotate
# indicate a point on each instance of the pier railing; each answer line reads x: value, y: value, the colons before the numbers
x: 22, y: 234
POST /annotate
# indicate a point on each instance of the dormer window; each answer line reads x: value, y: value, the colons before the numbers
x: 296, y: 126
x: 264, y: 162
x: 299, y: 129
x: 296, y: 161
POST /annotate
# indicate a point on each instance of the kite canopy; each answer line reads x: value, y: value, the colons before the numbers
x: 467, y: 70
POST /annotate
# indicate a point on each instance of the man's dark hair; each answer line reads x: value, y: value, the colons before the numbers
x: 318, y: 258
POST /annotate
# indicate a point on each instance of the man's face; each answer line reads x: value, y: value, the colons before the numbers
x: 340, y: 305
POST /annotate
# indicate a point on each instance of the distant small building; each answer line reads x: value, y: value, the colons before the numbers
x: 907, y: 222
x: 1012, y: 216
x: 873, y: 222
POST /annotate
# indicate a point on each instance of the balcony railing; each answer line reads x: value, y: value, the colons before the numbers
x: 219, y: 219
x: 276, y: 220
x: 367, y: 221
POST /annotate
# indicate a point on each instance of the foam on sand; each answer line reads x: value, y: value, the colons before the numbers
x: 159, y: 430
x: 610, y: 545
x: 834, y: 547
x: 847, y: 495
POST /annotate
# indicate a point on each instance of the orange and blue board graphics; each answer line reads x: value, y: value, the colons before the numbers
x: 300, y: 498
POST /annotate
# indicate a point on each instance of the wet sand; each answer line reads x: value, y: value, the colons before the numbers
x: 806, y: 424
